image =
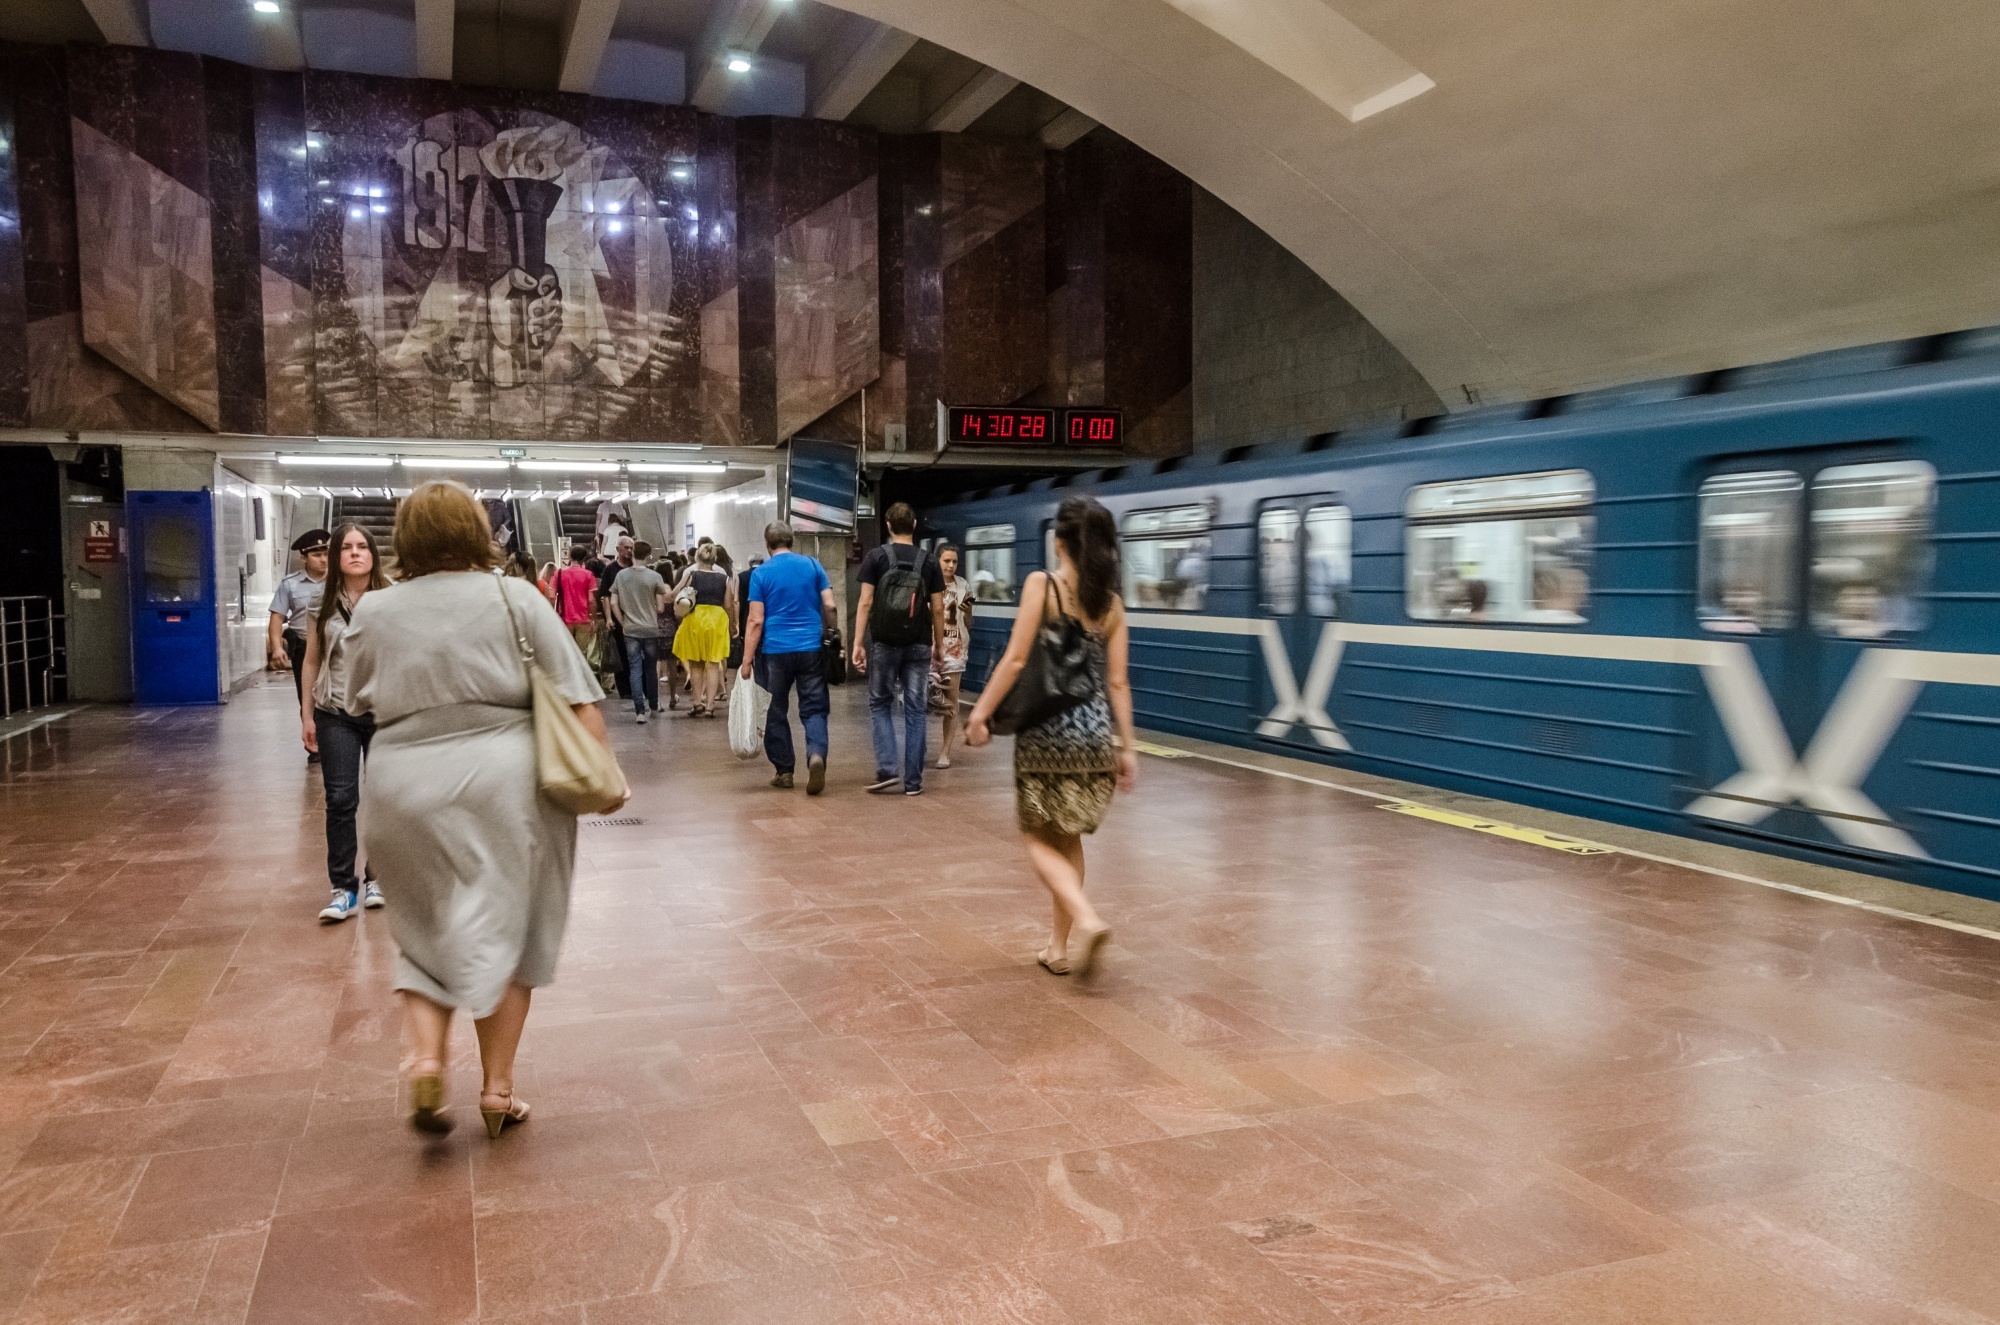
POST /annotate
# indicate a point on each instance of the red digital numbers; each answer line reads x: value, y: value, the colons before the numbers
x: 1018, y: 427
x: 1094, y: 427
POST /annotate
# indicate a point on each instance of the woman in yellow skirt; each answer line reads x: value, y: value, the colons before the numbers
x: 702, y: 642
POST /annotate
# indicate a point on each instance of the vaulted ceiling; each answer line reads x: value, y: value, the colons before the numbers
x: 1526, y: 197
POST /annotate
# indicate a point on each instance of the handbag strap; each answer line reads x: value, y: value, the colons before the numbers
x: 1055, y: 583
x: 526, y: 649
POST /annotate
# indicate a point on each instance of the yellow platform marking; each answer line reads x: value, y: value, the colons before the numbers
x: 1163, y: 751
x: 1481, y: 824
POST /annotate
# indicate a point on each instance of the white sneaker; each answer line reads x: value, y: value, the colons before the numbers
x: 944, y: 761
x: 371, y: 896
x: 642, y: 719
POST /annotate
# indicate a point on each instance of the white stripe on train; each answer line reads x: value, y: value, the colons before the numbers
x: 1827, y: 780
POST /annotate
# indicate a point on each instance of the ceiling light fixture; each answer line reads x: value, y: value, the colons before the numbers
x: 265, y: 6
x: 449, y: 462
x: 338, y: 461
x: 674, y: 467
x: 738, y: 64
x: 572, y: 466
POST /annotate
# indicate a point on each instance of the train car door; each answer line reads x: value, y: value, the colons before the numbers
x: 1305, y: 565
x: 1812, y: 560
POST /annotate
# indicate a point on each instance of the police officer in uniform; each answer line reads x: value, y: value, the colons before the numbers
x: 293, y: 605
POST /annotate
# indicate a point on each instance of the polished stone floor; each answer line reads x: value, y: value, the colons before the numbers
x: 1345, y: 1065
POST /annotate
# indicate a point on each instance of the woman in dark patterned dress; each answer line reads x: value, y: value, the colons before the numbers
x: 1066, y: 769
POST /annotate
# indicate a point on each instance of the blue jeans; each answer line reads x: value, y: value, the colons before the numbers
x: 903, y: 669
x: 642, y: 657
x: 780, y: 672
x: 343, y: 744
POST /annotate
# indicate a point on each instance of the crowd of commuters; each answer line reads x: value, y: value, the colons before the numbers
x: 435, y: 685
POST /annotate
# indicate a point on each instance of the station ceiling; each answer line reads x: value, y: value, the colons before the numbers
x: 1526, y: 197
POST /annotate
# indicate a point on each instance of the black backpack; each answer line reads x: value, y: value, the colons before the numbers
x: 901, y: 613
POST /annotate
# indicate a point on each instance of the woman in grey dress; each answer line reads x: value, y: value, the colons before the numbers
x: 475, y: 863
x: 1066, y: 768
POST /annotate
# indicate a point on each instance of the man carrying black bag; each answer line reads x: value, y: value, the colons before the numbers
x: 901, y: 619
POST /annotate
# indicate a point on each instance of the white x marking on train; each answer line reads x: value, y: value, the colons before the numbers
x: 1293, y: 707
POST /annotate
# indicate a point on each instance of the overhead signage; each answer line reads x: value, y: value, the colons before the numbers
x: 1029, y: 425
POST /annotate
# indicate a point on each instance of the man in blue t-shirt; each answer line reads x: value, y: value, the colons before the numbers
x: 791, y: 605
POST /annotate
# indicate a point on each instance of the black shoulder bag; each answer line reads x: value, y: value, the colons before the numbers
x: 1057, y: 675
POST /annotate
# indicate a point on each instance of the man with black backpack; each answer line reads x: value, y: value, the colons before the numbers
x: 899, y: 623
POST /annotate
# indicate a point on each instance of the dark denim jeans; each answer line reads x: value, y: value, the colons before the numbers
x: 905, y: 670
x: 343, y: 744
x: 780, y: 672
x: 643, y: 660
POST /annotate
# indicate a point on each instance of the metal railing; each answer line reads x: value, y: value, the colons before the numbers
x: 33, y: 662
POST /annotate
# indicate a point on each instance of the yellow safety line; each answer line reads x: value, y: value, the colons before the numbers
x: 1161, y: 751
x: 1481, y: 824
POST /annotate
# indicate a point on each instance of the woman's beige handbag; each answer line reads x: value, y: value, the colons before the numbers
x: 573, y: 768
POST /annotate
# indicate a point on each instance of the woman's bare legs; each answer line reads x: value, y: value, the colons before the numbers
x: 951, y: 681
x: 426, y: 1031
x: 499, y: 1037
x: 1058, y: 859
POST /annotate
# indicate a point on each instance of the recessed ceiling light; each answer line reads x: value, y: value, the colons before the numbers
x: 265, y: 6
x: 338, y: 461
x: 738, y: 64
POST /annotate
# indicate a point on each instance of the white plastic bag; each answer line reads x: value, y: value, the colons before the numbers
x: 748, y: 705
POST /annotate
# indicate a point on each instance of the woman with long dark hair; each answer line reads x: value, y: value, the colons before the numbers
x: 1066, y: 769
x: 340, y: 738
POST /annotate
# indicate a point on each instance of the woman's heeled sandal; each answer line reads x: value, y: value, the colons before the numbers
x: 427, y: 1104
x: 498, y: 1120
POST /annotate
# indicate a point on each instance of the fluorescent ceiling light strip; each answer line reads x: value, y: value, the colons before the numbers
x: 674, y: 467
x: 448, y: 462
x: 338, y: 461
x: 572, y: 466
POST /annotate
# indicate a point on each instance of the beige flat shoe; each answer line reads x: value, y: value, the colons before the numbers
x: 1053, y: 962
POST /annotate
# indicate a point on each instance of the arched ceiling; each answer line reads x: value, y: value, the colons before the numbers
x: 1594, y: 191
x: 1525, y: 196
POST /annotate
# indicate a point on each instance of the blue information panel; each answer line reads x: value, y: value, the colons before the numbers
x: 820, y: 486
x: 173, y: 597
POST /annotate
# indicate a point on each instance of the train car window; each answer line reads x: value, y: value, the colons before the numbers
x: 1166, y: 555
x: 989, y: 562
x: 1278, y: 561
x: 1509, y: 549
x: 1748, y: 578
x: 1871, y: 548
x: 1329, y: 559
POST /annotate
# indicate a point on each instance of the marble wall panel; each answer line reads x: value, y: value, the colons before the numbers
x: 721, y: 366
x: 913, y: 286
x: 285, y: 199
x: 147, y: 276
x: 994, y: 250
x: 827, y: 306
x: 13, y: 278
x: 500, y: 264
x: 233, y: 194
x: 756, y: 281
x: 1148, y: 210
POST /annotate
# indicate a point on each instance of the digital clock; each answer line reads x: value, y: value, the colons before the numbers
x: 1094, y: 427
x: 1001, y: 425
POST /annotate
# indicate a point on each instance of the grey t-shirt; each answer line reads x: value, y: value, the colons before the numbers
x: 297, y: 599
x: 637, y: 589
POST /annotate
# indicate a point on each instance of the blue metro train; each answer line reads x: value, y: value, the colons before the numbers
x: 1759, y: 607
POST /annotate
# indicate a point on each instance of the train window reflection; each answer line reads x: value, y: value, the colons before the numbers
x: 1329, y: 559
x: 1871, y: 547
x: 1278, y: 560
x: 1514, y: 548
x: 989, y: 562
x: 1749, y: 552
x: 1166, y: 553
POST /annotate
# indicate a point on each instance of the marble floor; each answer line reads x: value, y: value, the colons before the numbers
x: 1344, y: 1066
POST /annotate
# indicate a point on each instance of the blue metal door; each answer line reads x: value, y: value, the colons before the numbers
x: 173, y: 597
x: 1304, y: 569
x: 1814, y: 564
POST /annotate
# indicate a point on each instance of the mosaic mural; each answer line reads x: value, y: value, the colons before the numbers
x: 202, y: 247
